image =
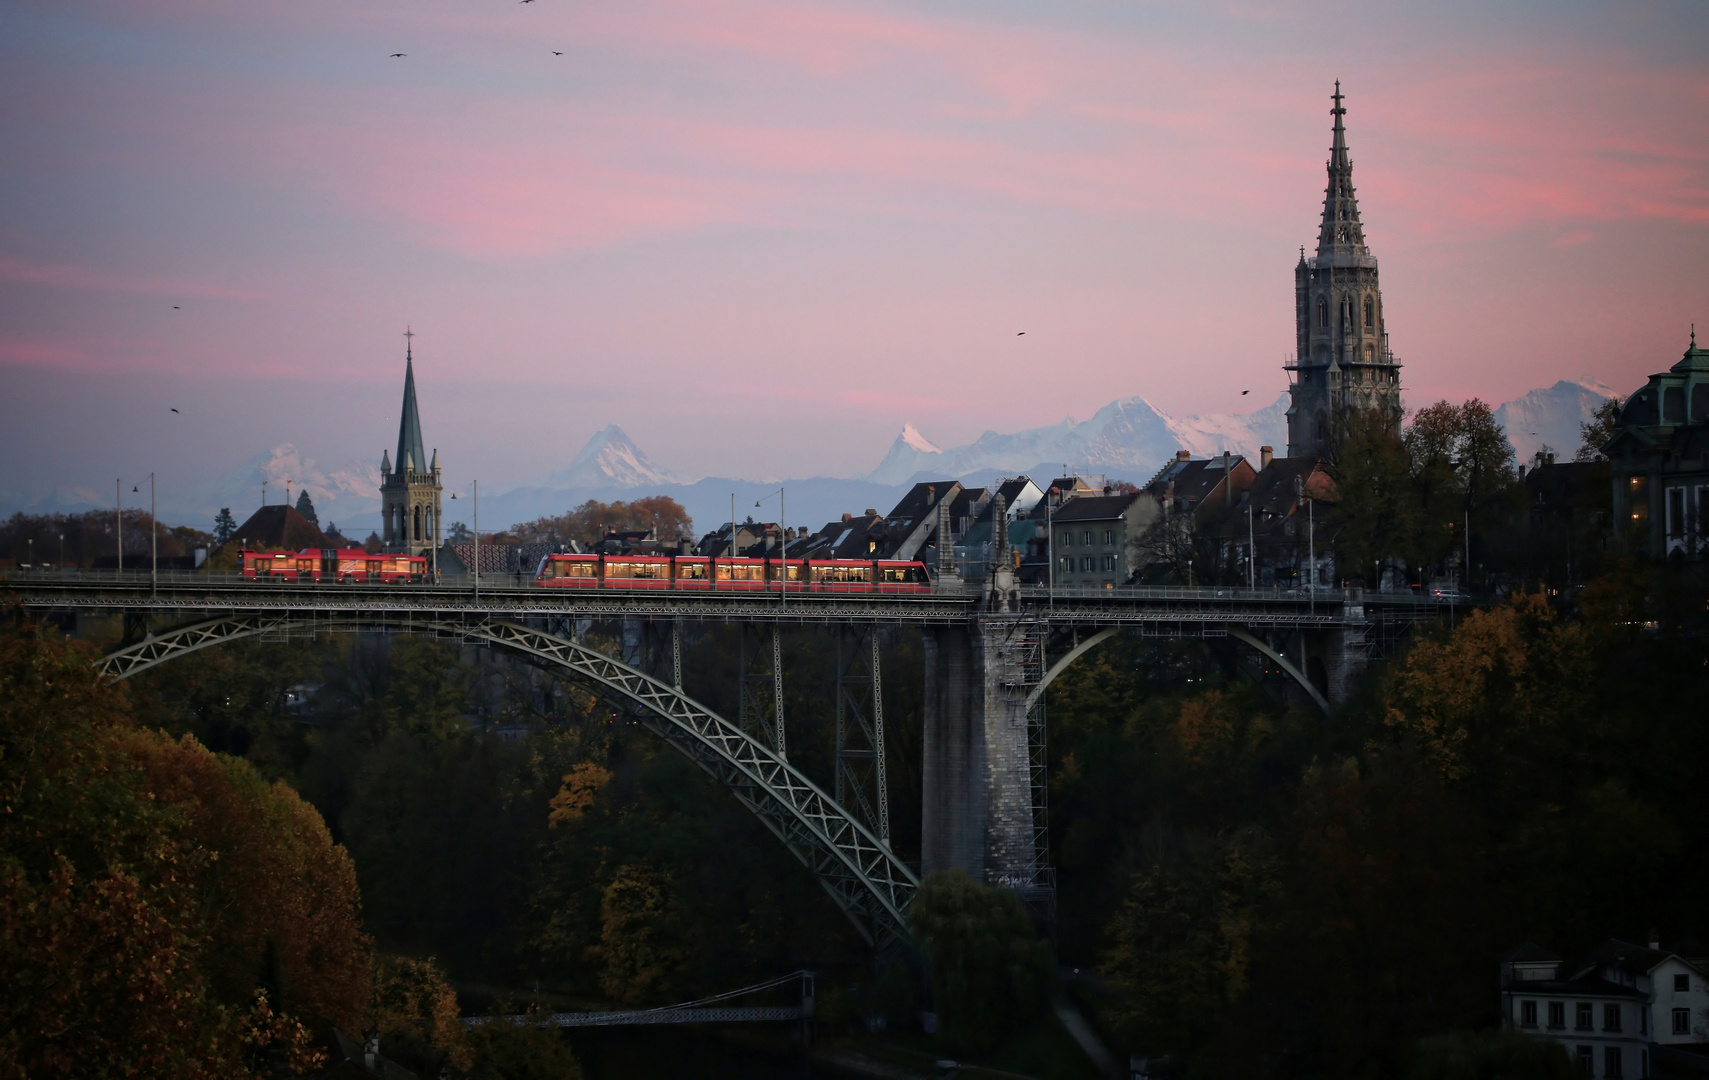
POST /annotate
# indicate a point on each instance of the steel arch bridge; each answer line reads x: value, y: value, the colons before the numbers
x: 866, y: 879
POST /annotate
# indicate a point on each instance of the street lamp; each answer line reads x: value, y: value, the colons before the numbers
x: 783, y: 546
x: 153, y: 543
x: 475, y: 486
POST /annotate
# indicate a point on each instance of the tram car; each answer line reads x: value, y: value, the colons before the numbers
x: 333, y: 564
x: 734, y: 574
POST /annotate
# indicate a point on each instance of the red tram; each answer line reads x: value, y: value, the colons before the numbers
x: 333, y: 564
x: 733, y: 575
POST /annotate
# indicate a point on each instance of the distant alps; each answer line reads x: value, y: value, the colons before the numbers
x: 1128, y: 439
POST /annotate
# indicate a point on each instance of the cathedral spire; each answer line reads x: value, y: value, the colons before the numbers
x: 410, y: 444
x: 1341, y: 233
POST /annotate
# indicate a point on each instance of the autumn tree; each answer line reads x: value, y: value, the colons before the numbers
x: 160, y: 904
x: 1378, y: 517
x: 989, y: 970
x: 1181, y: 945
x: 588, y: 523
x: 1595, y: 432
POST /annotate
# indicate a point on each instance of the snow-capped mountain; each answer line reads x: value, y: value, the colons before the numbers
x: 610, y: 459
x: 1129, y: 437
x: 909, y: 454
x: 348, y: 493
x: 1550, y: 416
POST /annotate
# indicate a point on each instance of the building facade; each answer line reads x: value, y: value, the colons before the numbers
x: 409, y: 493
x: 1342, y: 363
x: 1659, y: 458
x: 1624, y: 1011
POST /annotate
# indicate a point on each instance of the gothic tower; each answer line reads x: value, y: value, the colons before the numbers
x: 1343, y: 362
x: 409, y: 496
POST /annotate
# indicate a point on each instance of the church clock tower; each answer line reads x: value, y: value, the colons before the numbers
x: 409, y: 493
x: 1342, y: 359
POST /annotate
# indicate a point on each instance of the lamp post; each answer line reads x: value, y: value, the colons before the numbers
x: 1050, y: 547
x: 475, y: 487
x: 62, y: 553
x: 119, y: 520
x: 783, y: 547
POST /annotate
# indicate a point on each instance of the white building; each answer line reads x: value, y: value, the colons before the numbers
x: 1625, y: 1012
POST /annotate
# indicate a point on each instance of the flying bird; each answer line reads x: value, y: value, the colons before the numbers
x: 1243, y: 393
x: 555, y: 52
x: 174, y: 307
x: 1023, y: 333
x: 175, y: 410
x: 398, y: 54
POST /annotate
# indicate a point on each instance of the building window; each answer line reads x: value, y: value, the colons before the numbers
x: 1068, y: 564
x: 1611, y: 1062
x: 1109, y: 537
x: 1611, y: 1018
x: 1643, y: 1019
x: 1681, y: 984
x: 1673, y: 405
x: 1682, y: 1021
x: 1109, y: 563
x: 1586, y: 1018
x: 1086, y: 538
x: 1587, y: 1061
x: 1322, y: 313
x: 1370, y: 314
x: 1085, y: 564
x: 1068, y: 538
x: 1527, y: 1014
x: 1675, y: 511
x: 1557, y: 1015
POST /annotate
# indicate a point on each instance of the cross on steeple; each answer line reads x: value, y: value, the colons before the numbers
x: 410, y: 334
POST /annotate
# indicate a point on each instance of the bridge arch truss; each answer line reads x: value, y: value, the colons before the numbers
x: 866, y: 879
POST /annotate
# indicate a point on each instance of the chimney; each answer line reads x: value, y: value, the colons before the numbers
x: 848, y: 517
x: 870, y: 512
x: 1265, y: 455
x: 1183, y: 455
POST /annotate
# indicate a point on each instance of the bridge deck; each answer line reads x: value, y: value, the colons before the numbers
x: 189, y: 594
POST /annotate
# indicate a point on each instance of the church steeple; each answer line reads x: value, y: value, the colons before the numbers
x: 1341, y: 232
x: 1343, y: 364
x: 410, y: 445
x: 409, y: 492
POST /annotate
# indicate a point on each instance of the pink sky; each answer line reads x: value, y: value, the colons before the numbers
x: 755, y: 232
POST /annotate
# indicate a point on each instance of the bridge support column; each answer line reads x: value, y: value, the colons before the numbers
x: 977, y: 779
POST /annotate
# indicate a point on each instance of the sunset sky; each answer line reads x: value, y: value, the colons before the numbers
x: 761, y: 236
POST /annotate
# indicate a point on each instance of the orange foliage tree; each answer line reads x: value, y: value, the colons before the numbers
x: 147, y: 887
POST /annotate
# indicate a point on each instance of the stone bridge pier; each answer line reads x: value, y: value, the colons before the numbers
x: 977, y: 784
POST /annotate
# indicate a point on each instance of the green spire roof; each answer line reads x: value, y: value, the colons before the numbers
x: 412, y: 453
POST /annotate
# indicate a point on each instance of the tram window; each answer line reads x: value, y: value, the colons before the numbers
x: 691, y: 571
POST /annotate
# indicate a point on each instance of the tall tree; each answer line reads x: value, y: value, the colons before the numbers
x: 306, y: 506
x: 225, y: 526
x: 1595, y: 432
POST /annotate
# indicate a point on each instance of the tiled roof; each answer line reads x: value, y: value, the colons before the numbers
x: 1094, y: 507
x: 281, y: 528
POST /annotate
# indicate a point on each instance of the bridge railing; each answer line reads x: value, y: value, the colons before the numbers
x: 499, y: 583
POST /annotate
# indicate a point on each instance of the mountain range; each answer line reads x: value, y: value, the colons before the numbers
x: 1128, y: 439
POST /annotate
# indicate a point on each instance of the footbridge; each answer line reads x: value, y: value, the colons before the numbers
x: 991, y: 649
